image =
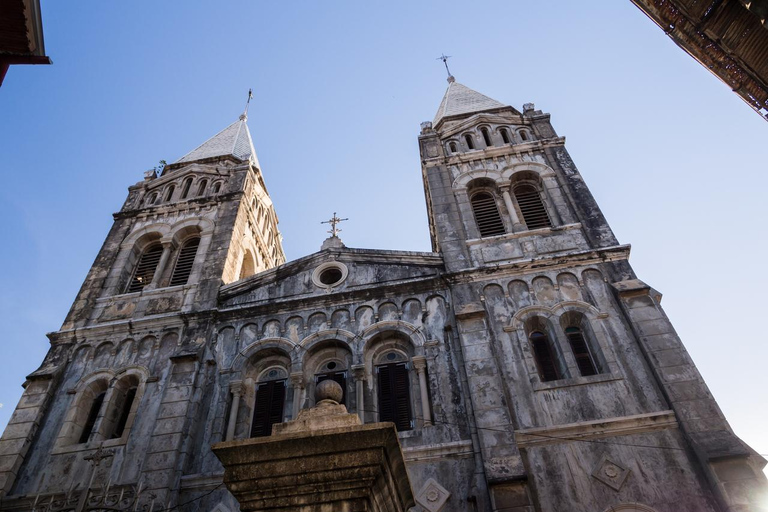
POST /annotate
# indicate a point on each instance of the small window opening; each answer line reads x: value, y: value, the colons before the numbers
x: 169, y: 193
x: 584, y: 359
x: 130, y: 396
x: 395, y: 395
x: 487, y: 215
x: 152, y: 199
x: 486, y: 137
x: 452, y: 147
x: 523, y: 135
x: 505, y: 136
x: 545, y: 359
x: 184, y: 262
x: 216, y: 187
x: 185, y: 188
x: 145, y: 269
x: 469, y: 141
x: 532, y: 207
x: 93, y: 414
x: 270, y: 399
x: 202, y: 187
x: 330, y: 276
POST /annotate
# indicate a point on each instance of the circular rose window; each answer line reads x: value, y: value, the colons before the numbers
x: 329, y: 275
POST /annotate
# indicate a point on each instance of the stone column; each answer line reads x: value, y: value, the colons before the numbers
x: 236, y: 388
x: 358, y: 373
x: 420, y: 363
x: 297, y: 380
x: 516, y: 224
x: 167, y: 246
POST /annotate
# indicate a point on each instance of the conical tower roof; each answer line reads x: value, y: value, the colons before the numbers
x: 234, y: 140
x: 460, y: 99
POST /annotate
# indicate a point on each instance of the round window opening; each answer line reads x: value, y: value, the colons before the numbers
x: 331, y: 365
x: 331, y: 276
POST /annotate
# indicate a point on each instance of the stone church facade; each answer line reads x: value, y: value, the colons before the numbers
x: 525, y: 366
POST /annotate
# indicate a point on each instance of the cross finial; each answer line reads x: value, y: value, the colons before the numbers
x: 244, y: 115
x: 333, y: 222
x: 443, y: 57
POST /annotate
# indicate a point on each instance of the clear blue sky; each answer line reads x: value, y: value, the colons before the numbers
x: 675, y: 159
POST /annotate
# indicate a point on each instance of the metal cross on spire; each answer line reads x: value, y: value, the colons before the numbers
x: 247, y: 103
x: 333, y: 221
x: 445, y: 58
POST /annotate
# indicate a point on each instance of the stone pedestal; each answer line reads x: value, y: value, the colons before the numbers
x: 324, y: 461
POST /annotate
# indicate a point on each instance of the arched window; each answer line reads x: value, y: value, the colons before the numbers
x: 452, y: 147
x: 184, y: 261
x: 523, y: 135
x: 468, y: 140
x: 216, y: 187
x: 486, y: 137
x: 487, y: 216
x: 270, y: 400
x: 201, y: 188
x: 145, y: 269
x: 124, y: 410
x: 93, y: 414
x: 152, y: 198
x: 545, y: 356
x: 394, y: 391
x: 585, y: 360
x: 185, y: 187
x: 532, y: 207
x: 247, y: 269
x: 169, y: 192
x: 505, y: 136
x: 334, y: 370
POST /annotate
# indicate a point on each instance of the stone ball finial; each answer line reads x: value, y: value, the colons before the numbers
x: 329, y: 390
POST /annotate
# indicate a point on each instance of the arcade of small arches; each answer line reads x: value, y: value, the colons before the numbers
x: 191, y: 187
x: 523, y: 197
x: 383, y: 374
x: 484, y: 136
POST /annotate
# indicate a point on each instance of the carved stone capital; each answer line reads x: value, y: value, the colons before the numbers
x: 297, y: 379
x: 419, y: 362
x: 236, y: 387
x: 358, y: 372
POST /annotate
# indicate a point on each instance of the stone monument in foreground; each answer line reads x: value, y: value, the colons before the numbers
x: 325, y: 460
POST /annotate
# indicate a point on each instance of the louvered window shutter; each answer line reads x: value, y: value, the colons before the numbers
x: 487, y: 216
x: 544, y: 357
x: 126, y: 410
x: 145, y: 269
x: 270, y: 399
x: 341, y: 378
x: 581, y: 352
x: 395, y: 395
x: 92, y: 415
x: 184, y: 262
x: 531, y: 206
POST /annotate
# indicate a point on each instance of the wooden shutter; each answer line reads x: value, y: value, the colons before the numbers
x: 126, y: 410
x: 145, y: 269
x: 581, y: 352
x: 184, y: 262
x: 544, y: 357
x: 270, y: 399
x: 531, y: 207
x: 395, y: 395
x: 92, y: 415
x: 487, y: 216
x: 340, y: 378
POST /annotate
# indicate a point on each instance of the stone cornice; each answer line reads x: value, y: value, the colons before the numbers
x: 598, y: 429
x: 496, y: 152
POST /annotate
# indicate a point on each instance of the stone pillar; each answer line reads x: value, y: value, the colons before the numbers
x: 358, y: 373
x: 167, y: 246
x: 549, y: 183
x: 297, y: 380
x: 420, y: 363
x: 236, y: 388
x: 516, y: 224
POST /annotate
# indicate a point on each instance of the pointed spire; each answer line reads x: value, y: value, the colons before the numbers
x: 460, y: 99
x: 234, y: 140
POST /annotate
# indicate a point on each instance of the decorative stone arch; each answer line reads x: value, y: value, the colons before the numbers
x: 523, y: 323
x: 119, y: 413
x: 410, y: 332
x: 336, y: 346
x: 180, y: 229
x: 86, y: 391
x: 463, y: 180
x: 331, y: 334
x: 545, y: 179
x: 284, y: 344
x: 160, y: 229
x: 544, y: 171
